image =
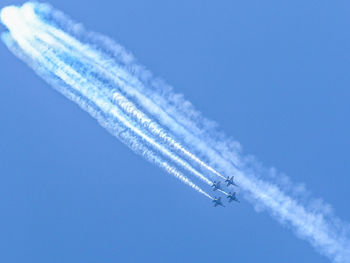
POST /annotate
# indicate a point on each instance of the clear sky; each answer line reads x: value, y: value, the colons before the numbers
x: 273, y: 74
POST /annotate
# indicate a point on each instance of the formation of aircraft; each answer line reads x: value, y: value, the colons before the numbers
x: 230, y: 196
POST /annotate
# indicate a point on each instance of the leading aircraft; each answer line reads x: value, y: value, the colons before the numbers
x: 217, y: 201
x: 230, y: 181
x: 216, y: 186
x: 232, y: 197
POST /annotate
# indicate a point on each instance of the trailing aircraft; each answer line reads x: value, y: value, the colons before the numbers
x: 232, y: 197
x: 217, y: 201
x: 230, y: 181
x: 216, y: 186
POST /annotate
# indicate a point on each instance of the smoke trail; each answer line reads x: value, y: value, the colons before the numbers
x: 128, y: 107
x: 86, y: 97
x: 154, y: 121
x: 126, y: 83
x: 123, y: 102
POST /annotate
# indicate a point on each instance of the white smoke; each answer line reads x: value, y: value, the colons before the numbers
x: 144, y: 113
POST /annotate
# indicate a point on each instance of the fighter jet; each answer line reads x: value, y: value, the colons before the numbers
x: 216, y: 186
x: 217, y: 201
x: 232, y: 197
x: 230, y: 181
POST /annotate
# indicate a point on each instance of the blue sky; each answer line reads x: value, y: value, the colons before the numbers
x: 273, y: 75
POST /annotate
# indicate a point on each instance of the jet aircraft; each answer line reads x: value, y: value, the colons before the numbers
x: 230, y: 181
x: 217, y: 201
x: 216, y: 186
x: 232, y: 197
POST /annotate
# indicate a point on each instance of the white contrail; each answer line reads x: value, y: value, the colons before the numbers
x: 46, y: 61
x: 158, y: 122
x: 119, y: 77
x: 122, y: 101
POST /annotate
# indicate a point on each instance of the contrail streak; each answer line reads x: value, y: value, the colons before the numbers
x: 49, y: 62
x: 104, y: 79
x: 131, y: 109
x: 112, y: 72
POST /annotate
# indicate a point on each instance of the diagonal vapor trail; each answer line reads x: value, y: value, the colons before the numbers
x: 132, y: 110
x: 116, y: 75
x: 99, y: 111
x: 50, y: 62
x: 104, y: 79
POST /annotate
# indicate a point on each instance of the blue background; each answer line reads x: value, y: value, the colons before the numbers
x: 274, y: 74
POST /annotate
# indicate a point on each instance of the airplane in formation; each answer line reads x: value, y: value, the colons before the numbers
x: 216, y: 186
x: 217, y: 202
x: 232, y: 197
x: 229, y: 181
